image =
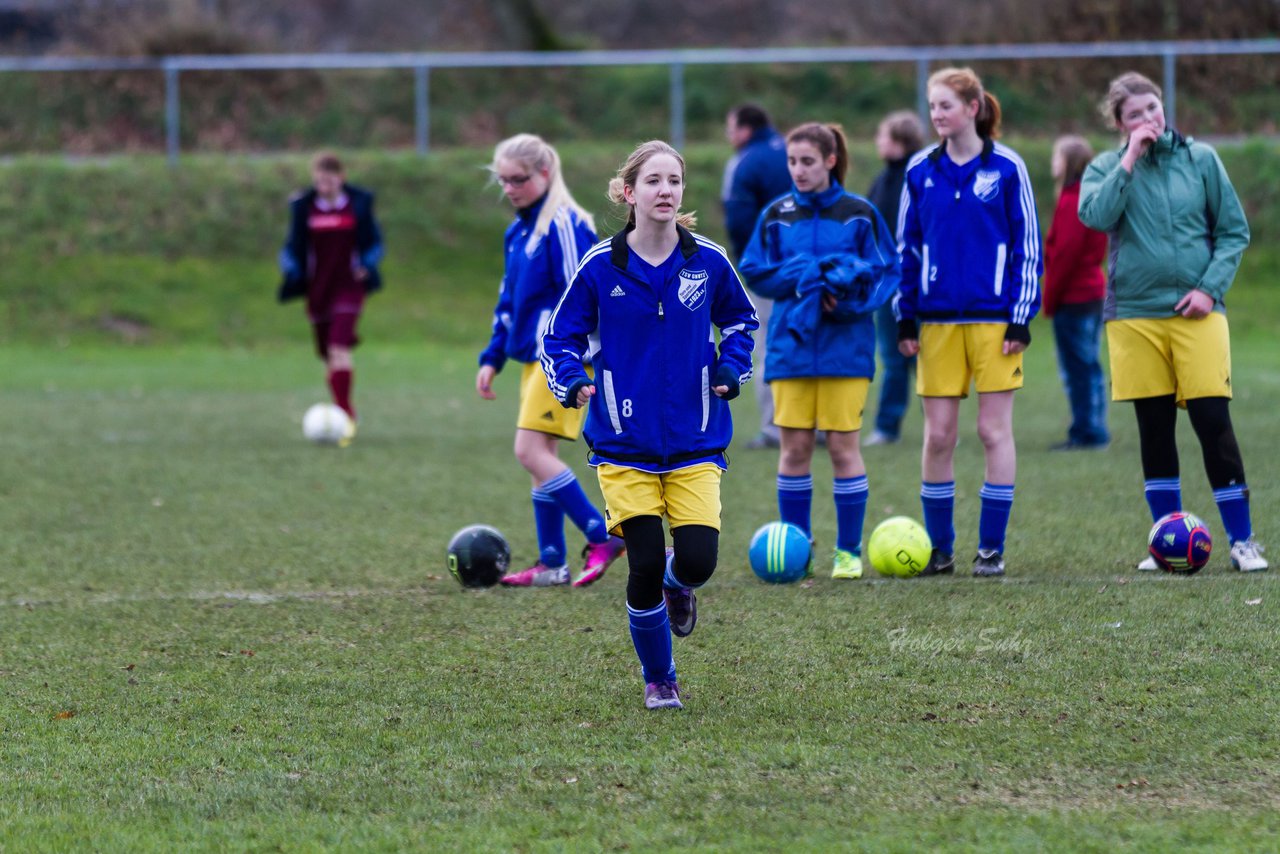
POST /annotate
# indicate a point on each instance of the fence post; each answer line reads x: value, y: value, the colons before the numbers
x: 922, y: 89
x: 677, y: 105
x: 171, y: 114
x: 421, y: 108
x: 1170, y: 88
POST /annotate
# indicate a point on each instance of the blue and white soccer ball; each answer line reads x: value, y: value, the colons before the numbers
x: 780, y: 553
x: 1180, y: 543
x: 325, y: 424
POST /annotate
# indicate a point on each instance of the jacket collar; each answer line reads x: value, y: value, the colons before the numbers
x: 819, y: 201
x: 531, y: 213
x: 1168, y: 141
x: 763, y: 134
x: 988, y: 146
x: 619, y: 252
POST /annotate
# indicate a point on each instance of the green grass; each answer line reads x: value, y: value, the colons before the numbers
x: 129, y: 250
x: 215, y: 636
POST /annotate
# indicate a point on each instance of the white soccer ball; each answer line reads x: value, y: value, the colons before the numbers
x: 325, y: 424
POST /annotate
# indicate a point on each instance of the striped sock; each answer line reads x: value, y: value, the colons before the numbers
x: 548, y: 521
x: 567, y: 492
x: 1233, y: 505
x: 851, y: 510
x: 1164, y: 496
x: 795, y: 500
x: 939, y: 503
x: 993, y: 521
x: 651, y: 636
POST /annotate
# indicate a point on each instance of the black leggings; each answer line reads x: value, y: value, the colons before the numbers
x: 696, y: 548
x: 1210, y: 418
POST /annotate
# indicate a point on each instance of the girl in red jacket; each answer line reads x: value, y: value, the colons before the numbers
x: 1073, y: 292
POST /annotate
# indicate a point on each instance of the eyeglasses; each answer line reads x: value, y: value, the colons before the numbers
x: 513, y: 181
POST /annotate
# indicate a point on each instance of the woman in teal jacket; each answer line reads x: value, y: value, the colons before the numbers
x: 1177, y: 234
x: 826, y: 257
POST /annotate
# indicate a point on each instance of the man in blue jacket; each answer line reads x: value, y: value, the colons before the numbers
x: 754, y: 176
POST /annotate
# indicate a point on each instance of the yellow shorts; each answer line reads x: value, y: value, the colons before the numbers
x: 688, y: 496
x: 822, y: 403
x: 954, y: 354
x: 1152, y: 357
x: 539, y: 409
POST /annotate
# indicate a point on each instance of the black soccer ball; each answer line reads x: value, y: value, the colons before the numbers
x: 479, y: 556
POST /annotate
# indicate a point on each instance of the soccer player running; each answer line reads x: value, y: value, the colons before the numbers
x: 658, y: 422
x: 827, y: 259
x: 1177, y: 235
x: 541, y: 248
x: 970, y: 245
x: 331, y: 257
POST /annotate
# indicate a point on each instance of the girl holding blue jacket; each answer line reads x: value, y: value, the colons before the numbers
x: 542, y: 247
x: 828, y: 260
x: 970, y: 244
x: 658, y: 422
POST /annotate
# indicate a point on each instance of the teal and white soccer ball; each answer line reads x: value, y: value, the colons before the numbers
x: 325, y: 424
x: 779, y: 553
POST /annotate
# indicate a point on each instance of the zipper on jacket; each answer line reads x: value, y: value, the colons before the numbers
x: 661, y: 316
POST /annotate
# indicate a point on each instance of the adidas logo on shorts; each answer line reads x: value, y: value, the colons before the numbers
x: 617, y: 291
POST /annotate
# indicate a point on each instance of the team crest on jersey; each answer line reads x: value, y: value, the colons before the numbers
x: 693, y: 288
x: 986, y: 184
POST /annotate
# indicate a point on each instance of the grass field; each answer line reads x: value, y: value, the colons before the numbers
x: 215, y: 636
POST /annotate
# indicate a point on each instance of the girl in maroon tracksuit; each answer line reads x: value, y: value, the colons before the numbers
x: 1073, y: 291
x: 331, y: 257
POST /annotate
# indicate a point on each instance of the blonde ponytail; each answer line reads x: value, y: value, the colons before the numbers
x: 536, y: 154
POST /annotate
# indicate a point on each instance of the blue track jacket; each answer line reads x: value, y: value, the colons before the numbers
x: 808, y: 244
x: 755, y: 175
x: 657, y: 361
x: 536, y: 275
x: 970, y: 242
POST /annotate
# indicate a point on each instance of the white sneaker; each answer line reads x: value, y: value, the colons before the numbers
x: 1148, y: 564
x: 876, y: 437
x: 1246, y: 556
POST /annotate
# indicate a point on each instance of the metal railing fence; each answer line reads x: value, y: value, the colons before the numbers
x: 922, y: 58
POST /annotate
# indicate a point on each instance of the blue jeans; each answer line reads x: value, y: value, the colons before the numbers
x: 1078, y: 330
x: 895, y: 377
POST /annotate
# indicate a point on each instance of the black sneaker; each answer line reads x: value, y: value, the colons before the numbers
x: 988, y: 564
x: 940, y: 563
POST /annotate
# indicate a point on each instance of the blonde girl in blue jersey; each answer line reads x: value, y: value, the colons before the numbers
x: 826, y: 258
x: 658, y: 422
x: 542, y: 247
x: 970, y: 244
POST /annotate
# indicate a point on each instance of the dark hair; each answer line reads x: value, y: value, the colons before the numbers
x: 750, y: 116
x: 829, y: 140
x: 326, y: 161
x: 904, y: 128
x: 965, y: 83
